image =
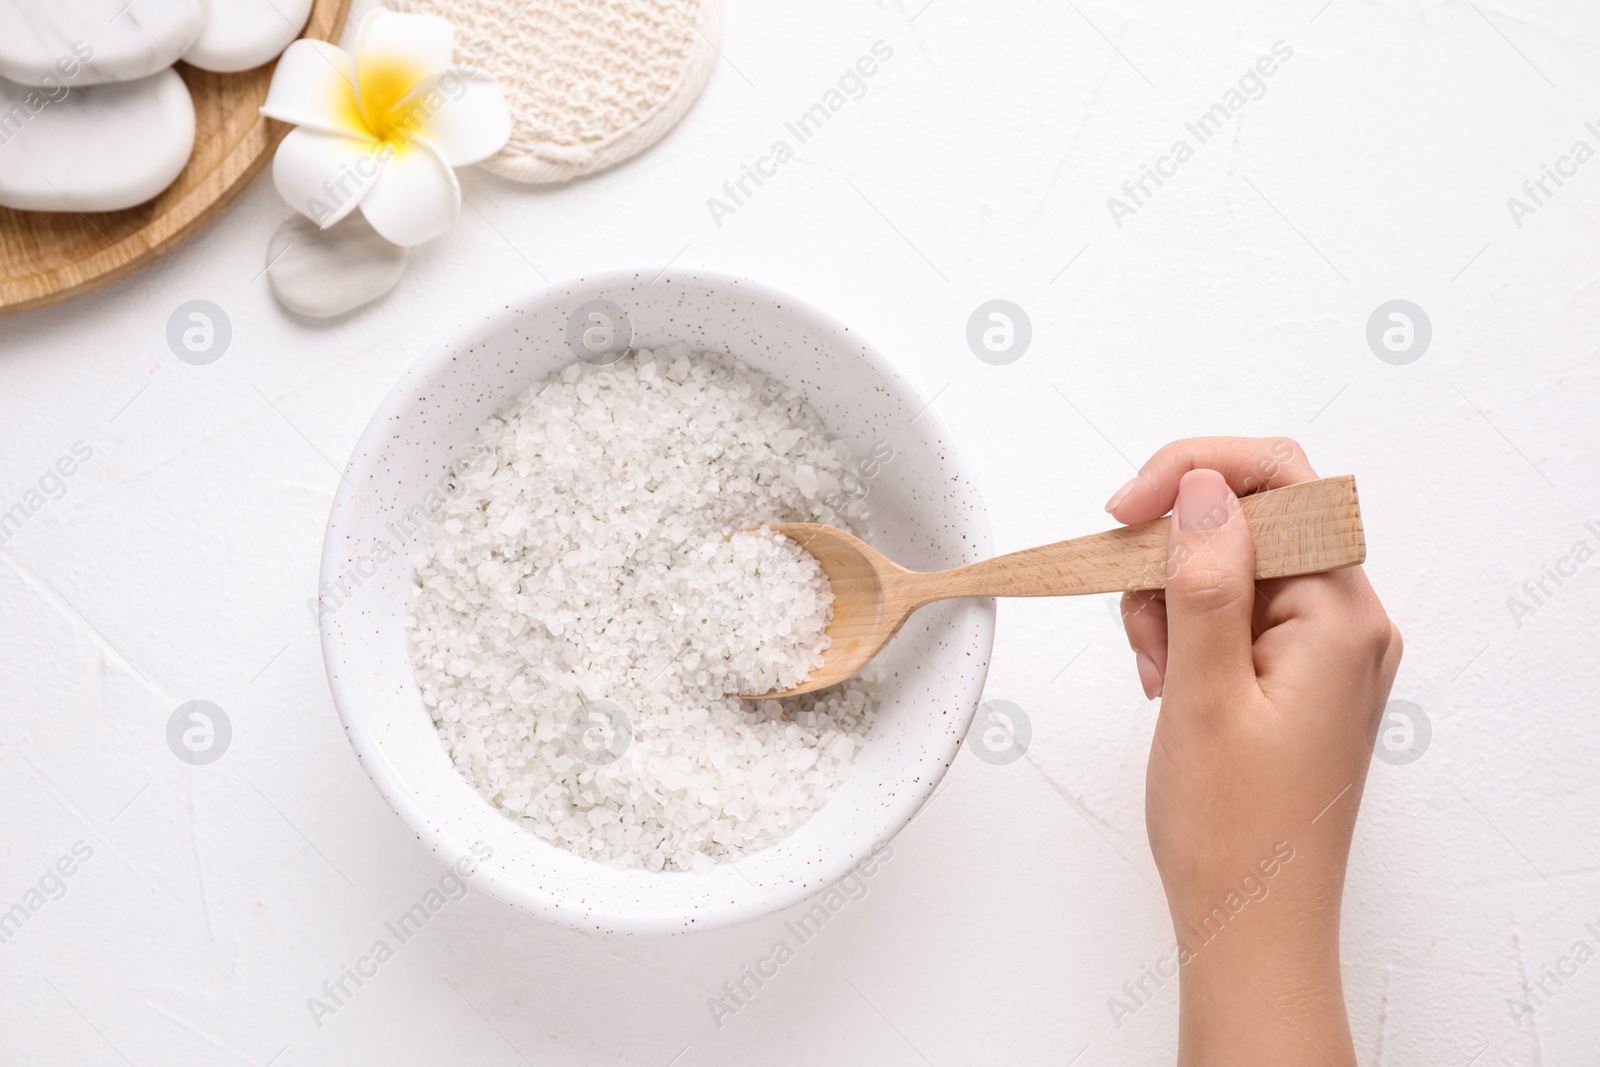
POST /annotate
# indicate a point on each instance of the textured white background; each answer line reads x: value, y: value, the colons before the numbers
x: 1376, y: 166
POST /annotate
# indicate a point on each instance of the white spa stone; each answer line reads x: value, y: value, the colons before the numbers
x: 240, y: 34
x: 97, y: 41
x: 321, y: 273
x: 100, y: 148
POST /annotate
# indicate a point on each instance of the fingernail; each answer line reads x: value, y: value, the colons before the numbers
x: 1120, y: 495
x: 1149, y: 676
x: 1203, y: 501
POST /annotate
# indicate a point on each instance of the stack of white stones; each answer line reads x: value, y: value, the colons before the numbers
x: 92, y: 115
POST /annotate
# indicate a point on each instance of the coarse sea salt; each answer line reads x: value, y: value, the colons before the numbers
x: 591, y: 601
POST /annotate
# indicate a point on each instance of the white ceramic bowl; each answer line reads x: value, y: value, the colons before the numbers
x: 926, y: 508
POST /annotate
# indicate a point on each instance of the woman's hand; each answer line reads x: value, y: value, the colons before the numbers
x: 1271, y: 695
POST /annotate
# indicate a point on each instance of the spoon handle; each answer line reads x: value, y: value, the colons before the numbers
x: 1299, y: 529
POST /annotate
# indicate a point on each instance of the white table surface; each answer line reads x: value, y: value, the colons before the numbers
x: 1377, y: 165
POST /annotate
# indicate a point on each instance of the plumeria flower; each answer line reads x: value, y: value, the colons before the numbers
x: 385, y: 128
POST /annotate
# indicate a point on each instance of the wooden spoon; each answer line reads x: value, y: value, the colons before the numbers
x: 1299, y: 529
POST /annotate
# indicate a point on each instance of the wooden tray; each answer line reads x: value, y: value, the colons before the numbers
x: 47, y: 256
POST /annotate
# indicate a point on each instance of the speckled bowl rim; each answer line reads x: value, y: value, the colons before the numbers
x: 448, y: 846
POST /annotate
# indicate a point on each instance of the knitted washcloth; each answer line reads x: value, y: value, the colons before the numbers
x: 589, y: 82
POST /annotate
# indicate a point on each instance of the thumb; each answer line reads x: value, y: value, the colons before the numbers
x: 1210, y: 595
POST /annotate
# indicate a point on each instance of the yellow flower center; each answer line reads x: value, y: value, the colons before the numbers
x: 384, y: 83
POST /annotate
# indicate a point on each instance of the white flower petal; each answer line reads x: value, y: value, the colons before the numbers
x: 396, y: 46
x: 415, y: 197
x: 325, y: 175
x: 462, y: 113
x: 314, y: 85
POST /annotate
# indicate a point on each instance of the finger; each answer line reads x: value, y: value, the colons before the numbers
x: 1330, y: 628
x: 1210, y: 592
x: 1319, y: 599
x: 1144, y: 618
x: 1249, y: 464
x: 1337, y: 610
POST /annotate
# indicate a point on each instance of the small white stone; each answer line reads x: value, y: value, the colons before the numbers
x: 101, y: 148
x: 241, y: 34
x: 321, y: 273
x: 91, y: 42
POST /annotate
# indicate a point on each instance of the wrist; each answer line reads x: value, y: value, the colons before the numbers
x: 1266, y: 996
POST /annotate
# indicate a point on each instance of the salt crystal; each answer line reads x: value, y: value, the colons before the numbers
x: 805, y: 477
